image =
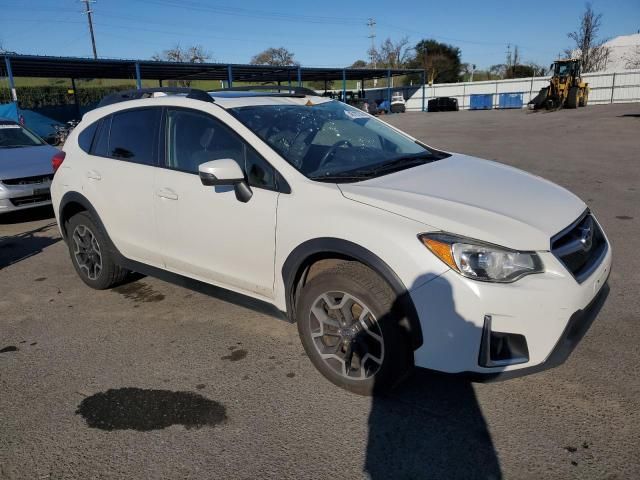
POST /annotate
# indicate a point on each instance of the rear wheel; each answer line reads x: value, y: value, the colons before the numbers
x: 90, y: 256
x: 573, y: 98
x: 348, y: 328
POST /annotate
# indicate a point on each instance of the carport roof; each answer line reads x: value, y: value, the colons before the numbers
x: 74, y: 67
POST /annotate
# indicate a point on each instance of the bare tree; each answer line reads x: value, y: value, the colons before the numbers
x: 632, y: 59
x: 193, y: 54
x: 593, y: 54
x: 274, y: 56
x: 498, y: 70
x: 391, y: 54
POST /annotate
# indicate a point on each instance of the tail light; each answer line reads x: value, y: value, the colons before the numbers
x: 57, y: 160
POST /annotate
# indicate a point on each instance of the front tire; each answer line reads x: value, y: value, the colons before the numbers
x: 572, y: 99
x: 90, y: 255
x: 349, y: 328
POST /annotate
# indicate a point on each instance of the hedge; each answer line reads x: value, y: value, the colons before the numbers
x: 34, y: 97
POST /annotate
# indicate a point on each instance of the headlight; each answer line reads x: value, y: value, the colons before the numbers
x: 481, y: 261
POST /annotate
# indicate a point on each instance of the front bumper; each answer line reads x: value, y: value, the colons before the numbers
x: 20, y: 197
x: 552, y: 311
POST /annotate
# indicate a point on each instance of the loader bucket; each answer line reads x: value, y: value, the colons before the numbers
x: 540, y: 100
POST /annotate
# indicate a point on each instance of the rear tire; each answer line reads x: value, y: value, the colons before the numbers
x: 572, y: 99
x: 349, y: 330
x: 90, y: 254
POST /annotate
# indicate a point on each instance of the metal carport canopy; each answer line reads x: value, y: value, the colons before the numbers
x: 74, y: 67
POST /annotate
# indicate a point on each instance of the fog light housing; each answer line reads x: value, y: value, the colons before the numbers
x: 498, y: 349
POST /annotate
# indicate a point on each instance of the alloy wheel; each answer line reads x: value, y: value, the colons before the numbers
x: 346, y: 335
x: 86, y: 251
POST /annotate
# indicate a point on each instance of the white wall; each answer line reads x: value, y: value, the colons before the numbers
x: 618, y: 87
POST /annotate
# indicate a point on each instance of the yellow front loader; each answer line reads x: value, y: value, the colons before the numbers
x: 566, y: 88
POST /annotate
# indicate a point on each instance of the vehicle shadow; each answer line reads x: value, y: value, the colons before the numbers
x: 16, y: 248
x: 432, y: 426
x: 27, y: 215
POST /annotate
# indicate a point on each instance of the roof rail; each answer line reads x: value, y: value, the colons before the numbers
x: 293, y: 91
x: 126, y: 95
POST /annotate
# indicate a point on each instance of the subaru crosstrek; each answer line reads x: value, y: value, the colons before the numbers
x: 386, y: 252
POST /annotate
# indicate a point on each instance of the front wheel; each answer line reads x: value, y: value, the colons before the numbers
x: 349, y: 328
x: 572, y: 99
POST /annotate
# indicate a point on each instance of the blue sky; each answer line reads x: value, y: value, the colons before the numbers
x: 320, y: 33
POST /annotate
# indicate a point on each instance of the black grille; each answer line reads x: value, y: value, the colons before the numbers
x: 580, y: 247
x: 31, y: 199
x: 28, y: 180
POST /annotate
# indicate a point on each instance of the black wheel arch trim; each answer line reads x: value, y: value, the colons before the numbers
x: 292, y: 273
x: 76, y: 197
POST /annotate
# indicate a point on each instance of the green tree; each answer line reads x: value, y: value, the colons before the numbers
x: 440, y: 60
x: 359, y: 64
x: 274, y: 56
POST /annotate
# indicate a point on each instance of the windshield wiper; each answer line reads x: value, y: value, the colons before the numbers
x: 342, y: 177
x: 401, y: 163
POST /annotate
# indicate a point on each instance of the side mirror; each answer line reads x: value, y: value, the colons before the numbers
x: 225, y: 172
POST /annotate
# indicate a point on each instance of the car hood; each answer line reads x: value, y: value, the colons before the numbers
x: 26, y: 161
x: 475, y: 198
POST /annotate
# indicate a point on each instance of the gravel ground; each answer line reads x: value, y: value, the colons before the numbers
x: 150, y: 380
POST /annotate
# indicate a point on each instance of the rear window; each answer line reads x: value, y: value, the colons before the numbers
x: 134, y: 135
x: 13, y: 135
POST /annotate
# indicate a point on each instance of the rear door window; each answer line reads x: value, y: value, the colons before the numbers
x: 133, y: 135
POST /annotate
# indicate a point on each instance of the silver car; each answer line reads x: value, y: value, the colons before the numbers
x: 25, y: 168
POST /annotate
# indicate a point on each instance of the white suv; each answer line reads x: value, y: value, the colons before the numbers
x: 386, y: 252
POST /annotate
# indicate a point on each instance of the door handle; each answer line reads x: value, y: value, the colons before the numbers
x: 167, y: 193
x: 94, y: 175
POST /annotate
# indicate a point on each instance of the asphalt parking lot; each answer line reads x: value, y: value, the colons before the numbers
x: 73, y: 358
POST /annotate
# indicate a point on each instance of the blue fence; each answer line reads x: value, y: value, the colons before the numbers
x: 481, y: 101
x: 510, y: 100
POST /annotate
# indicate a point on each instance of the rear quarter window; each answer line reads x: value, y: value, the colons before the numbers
x: 85, y: 139
x: 100, y: 145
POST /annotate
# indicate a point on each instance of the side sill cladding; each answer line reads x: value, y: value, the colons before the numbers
x: 293, y: 271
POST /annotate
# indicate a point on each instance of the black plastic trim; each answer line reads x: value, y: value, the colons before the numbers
x: 291, y: 275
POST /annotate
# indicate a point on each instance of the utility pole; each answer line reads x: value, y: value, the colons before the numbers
x: 372, y: 35
x: 88, y: 11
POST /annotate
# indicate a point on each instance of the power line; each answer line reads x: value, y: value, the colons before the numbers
x: 88, y: 11
x: 253, y: 13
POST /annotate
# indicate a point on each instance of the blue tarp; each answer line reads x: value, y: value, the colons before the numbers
x: 40, y: 124
x: 9, y: 110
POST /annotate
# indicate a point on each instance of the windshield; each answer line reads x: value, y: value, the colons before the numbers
x: 563, y: 69
x: 13, y: 135
x: 330, y: 139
